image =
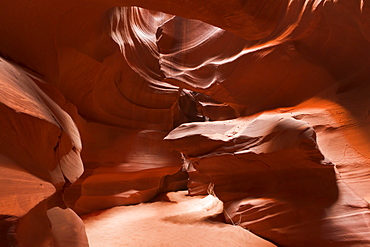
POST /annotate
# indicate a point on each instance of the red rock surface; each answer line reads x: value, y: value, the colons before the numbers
x: 89, y: 89
x: 274, y: 180
x: 40, y: 153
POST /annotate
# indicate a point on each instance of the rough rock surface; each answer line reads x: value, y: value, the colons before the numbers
x: 89, y: 89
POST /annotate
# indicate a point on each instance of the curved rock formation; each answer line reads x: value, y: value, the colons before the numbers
x: 274, y: 181
x: 89, y: 89
x: 40, y: 152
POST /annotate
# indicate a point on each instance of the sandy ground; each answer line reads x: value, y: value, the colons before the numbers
x: 181, y: 222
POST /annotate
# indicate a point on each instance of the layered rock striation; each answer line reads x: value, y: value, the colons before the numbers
x: 264, y: 101
x: 273, y: 180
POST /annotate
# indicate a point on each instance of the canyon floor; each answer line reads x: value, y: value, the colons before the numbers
x: 183, y: 221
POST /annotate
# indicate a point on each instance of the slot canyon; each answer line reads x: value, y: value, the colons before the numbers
x: 184, y: 123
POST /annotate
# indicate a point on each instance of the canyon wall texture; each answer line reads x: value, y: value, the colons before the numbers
x: 261, y: 103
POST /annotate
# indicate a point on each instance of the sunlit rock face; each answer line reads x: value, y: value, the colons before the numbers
x: 40, y: 153
x: 274, y: 180
x: 89, y: 90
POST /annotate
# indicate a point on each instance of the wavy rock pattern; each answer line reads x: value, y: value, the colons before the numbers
x: 32, y: 179
x: 89, y: 90
x: 274, y: 181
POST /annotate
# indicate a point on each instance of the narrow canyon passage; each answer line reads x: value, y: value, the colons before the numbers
x: 184, y: 123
